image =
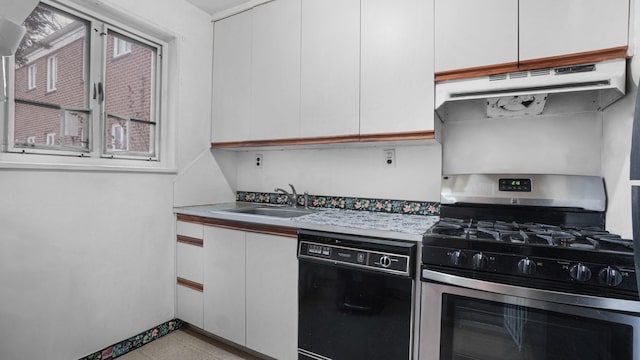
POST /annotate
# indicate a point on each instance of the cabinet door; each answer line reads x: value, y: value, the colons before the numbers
x: 330, y: 68
x: 472, y: 33
x: 272, y: 295
x: 396, y: 93
x: 552, y: 28
x: 224, y: 283
x: 275, y: 70
x: 231, y: 108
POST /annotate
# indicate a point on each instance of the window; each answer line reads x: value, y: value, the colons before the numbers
x: 31, y: 77
x: 52, y: 72
x: 120, y: 47
x: 101, y: 106
x: 118, y: 138
x: 51, y: 139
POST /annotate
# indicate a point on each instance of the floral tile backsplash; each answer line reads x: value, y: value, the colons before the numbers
x: 347, y: 203
x: 135, y: 342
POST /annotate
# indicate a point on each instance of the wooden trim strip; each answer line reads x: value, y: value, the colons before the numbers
x: 542, y: 63
x: 574, y: 59
x: 416, y: 135
x: 287, y: 142
x: 190, y: 284
x: 476, y: 71
x: 241, y: 225
x: 190, y: 241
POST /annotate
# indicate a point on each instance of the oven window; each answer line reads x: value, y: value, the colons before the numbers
x: 474, y: 329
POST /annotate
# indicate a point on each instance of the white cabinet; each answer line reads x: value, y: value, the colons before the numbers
x: 189, y: 268
x: 396, y: 93
x: 552, y: 28
x: 224, y: 283
x: 272, y: 296
x: 472, y: 33
x: 251, y: 290
x: 275, y: 70
x: 231, y: 110
x: 330, y: 68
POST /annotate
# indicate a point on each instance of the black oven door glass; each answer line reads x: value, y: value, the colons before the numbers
x: 350, y: 314
x: 474, y: 329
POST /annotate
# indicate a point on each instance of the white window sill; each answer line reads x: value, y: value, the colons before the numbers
x: 71, y: 163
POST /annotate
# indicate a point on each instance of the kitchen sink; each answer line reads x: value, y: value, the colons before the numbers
x: 280, y: 212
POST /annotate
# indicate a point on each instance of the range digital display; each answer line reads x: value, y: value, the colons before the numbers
x: 522, y: 185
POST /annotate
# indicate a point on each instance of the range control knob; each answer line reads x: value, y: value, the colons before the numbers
x: 385, y: 261
x: 480, y: 261
x: 580, y: 272
x: 527, y: 266
x: 610, y: 276
x: 457, y: 258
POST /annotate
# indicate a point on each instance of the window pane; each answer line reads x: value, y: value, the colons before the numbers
x: 36, y: 123
x: 55, y: 42
x: 129, y: 90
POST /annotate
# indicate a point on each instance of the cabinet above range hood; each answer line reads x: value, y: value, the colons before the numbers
x: 606, y: 77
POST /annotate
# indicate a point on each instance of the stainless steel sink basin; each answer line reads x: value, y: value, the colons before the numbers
x: 273, y: 211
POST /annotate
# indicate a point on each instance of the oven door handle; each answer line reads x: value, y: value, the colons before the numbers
x: 532, y: 293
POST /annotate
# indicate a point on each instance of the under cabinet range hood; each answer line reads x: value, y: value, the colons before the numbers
x: 606, y: 77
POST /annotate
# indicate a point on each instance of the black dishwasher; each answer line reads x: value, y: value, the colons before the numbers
x: 355, y: 297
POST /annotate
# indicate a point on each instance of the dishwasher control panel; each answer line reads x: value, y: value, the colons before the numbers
x: 375, y: 256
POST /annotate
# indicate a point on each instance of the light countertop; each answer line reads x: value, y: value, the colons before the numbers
x: 365, y: 223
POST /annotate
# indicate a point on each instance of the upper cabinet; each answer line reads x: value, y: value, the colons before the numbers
x: 256, y: 74
x: 275, y: 70
x: 472, y: 33
x: 552, y: 28
x: 497, y: 36
x: 292, y: 72
x: 396, y: 91
x: 330, y: 77
x: 232, y: 79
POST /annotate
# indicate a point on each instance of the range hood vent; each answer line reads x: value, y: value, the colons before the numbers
x: 607, y: 77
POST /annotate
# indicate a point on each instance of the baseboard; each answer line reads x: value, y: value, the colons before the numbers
x: 134, y: 342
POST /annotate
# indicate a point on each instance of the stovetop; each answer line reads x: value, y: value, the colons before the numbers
x: 576, y: 259
x: 532, y: 234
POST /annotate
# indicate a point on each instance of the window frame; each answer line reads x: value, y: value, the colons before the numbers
x: 162, y: 158
x: 117, y: 48
x: 32, y: 77
x: 52, y: 72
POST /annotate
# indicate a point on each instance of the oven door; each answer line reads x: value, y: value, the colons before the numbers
x: 460, y: 323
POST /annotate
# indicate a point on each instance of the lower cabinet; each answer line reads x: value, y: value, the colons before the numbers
x: 189, y: 270
x: 251, y: 290
x: 224, y: 283
x: 272, y: 295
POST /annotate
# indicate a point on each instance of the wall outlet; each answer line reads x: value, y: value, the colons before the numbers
x: 390, y: 157
x: 258, y: 160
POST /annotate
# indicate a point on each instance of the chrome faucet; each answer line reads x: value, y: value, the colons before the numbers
x: 292, y: 198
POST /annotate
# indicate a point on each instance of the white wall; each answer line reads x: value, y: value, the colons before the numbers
x: 565, y: 139
x: 356, y: 172
x: 618, y: 121
x: 87, y: 257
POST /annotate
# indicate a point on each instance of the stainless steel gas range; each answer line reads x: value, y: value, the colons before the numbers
x: 521, y: 267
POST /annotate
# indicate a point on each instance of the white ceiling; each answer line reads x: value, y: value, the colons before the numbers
x: 214, y: 6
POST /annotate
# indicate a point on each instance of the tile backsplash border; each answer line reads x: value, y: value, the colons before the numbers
x: 348, y: 203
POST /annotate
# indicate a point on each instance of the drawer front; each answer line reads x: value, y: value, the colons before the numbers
x: 191, y: 230
x: 190, y: 306
x: 189, y: 262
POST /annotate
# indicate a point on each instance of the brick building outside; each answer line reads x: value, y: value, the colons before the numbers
x: 52, y: 93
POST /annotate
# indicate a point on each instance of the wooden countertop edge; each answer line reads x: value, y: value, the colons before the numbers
x: 190, y: 284
x: 190, y: 241
x: 239, y: 225
x: 542, y: 63
x: 413, y: 135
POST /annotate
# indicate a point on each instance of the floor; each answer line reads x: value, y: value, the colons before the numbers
x: 186, y: 344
